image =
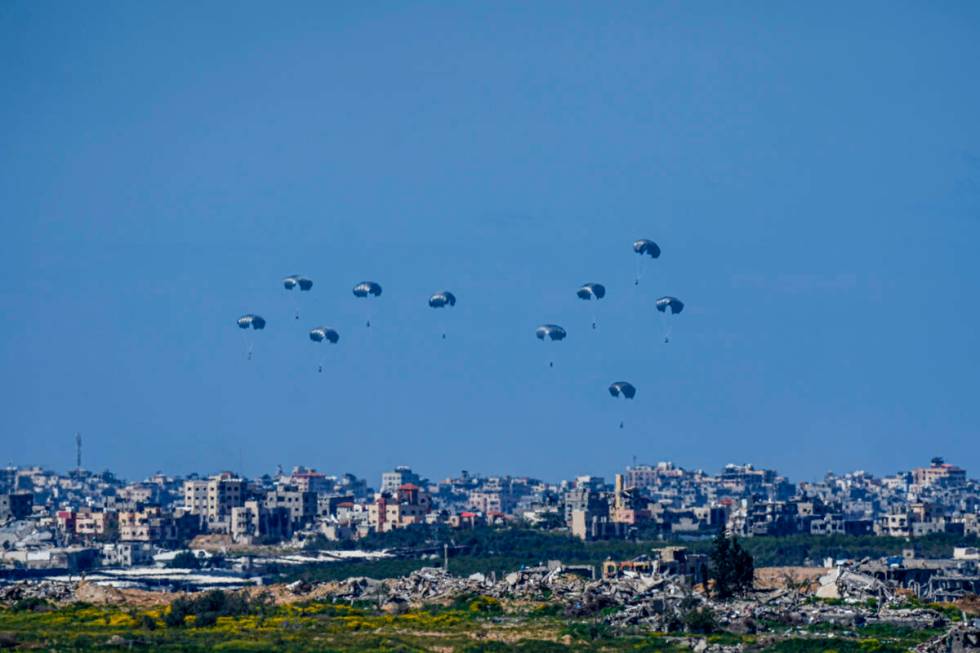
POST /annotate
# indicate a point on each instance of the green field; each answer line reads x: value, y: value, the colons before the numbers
x: 506, y: 549
x: 218, y: 621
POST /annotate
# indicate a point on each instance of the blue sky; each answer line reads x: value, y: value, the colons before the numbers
x: 812, y: 173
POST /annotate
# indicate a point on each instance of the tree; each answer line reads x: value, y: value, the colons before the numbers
x: 185, y: 560
x: 732, y: 567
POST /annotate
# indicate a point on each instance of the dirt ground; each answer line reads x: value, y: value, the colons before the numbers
x: 773, y: 578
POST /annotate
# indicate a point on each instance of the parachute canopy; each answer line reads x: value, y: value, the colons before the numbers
x: 366, y: 288
x: 441, y: 299
x: 624, y: 388
x: 319, y: 334
x: 552, y: 331
x: 294, y: 280
x: 645, y: 247
x: 591, y: 291
x: 675, y: 305
x: 250, y: 320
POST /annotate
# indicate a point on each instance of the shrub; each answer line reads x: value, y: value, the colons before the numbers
x: 185, y: 560
x: 32, y: 604
x: 701, y: 621
x: 485, y: 605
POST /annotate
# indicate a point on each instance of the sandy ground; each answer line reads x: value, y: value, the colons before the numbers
x: 773, y: 578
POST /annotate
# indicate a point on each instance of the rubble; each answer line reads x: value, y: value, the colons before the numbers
x: 53, y: 591
x: 655, y: 602
x: 959, y: 639
x: 842, y: 582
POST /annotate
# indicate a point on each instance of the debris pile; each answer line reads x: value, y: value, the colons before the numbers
x: 430, y: 583
x: 959, y: 639
x: 48, y: 590
x: 844, y: 583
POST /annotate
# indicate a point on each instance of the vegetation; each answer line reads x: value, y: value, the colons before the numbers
x: 233, y: 621
x: 189, y: 560
x: 732, y: 567
x: 503, y: 550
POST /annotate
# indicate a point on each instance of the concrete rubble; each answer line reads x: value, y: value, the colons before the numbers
x: 841, y: 583
x: 959, y: 639
x: 656, y: 602
x: 53, y: 591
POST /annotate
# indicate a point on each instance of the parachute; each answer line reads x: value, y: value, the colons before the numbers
x: 623, y: 389
x: 644, y: 247
x: 294, y: 280
x: 675, y: 305
x: 669, y: 306
x: 590, y: 291
x: 367, y: 289
x: 255, y: 322
x: 319, y: 334
x: 324, y: 334
x: 297, y: 281
x: 250, y: 320
x: 442, y: 299
x: 550, y: 332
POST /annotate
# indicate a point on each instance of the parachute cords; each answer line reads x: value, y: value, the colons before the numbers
x: 248, y: 345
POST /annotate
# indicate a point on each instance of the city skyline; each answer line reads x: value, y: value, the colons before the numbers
x: 284, y: 470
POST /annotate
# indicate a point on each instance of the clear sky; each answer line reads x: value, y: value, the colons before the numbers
x: 811, y: 171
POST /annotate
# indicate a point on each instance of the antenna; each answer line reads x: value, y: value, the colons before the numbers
x: 78, y: 451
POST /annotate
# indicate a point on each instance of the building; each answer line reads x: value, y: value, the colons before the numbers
x: 148, y: 525
x: 97, y: 524
x: 254, y: 520
x: 310, y: 480
x: 225, y: 491
x: 16, y: 506
x: 407, y: 507
x: 391, y: 481
x: 127, y: 554
x: 196, y: 496
x: 939, y: 473
x: 301, y: 505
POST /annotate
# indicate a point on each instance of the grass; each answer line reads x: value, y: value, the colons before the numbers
x: 502, y: 550
x: 472, y: 624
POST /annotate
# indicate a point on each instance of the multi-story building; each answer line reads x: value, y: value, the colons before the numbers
x: 16, y: 506
x: 301, y: 505
x: 939, y: 473
x: 391, y: 481
x: 254, y: 520
x: 409, y: 506
x: 225, y: 491
x: 196, y: 496
x: 97, y: 524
